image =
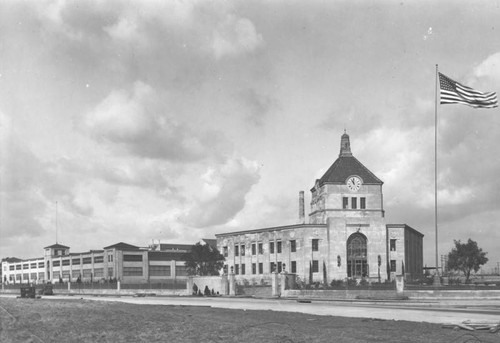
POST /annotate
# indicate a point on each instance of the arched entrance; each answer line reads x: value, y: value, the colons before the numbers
x: 357, y: 261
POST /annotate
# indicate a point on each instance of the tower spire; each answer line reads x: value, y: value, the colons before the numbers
x: 345, y: 145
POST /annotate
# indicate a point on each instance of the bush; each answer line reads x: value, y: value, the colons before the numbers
x: 337, y: 283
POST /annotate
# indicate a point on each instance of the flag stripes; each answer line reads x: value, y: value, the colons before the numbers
x: 453, y: 92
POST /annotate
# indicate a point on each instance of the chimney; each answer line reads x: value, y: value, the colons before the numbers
x: 301, y: 208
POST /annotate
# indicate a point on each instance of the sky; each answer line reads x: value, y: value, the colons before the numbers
x: 172, y: 121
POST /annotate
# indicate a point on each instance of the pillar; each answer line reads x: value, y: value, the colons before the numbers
x: 275, y: 284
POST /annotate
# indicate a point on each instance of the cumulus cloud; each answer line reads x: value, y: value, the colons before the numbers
x: 235, y: 36
x: 258, y: 105
x: 138, y: 122
x: 222, y: 194
x: 489, y: 68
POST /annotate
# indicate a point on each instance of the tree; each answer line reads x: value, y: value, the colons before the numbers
x: 203, y: 260
x: 466, y: 257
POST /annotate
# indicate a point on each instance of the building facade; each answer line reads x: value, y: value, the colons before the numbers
x: 125, y: 262
x: 346, y: 237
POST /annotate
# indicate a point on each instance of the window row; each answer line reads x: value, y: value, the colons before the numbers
x: 258, y: 268
x: 354, y: 203
x: 239, y: 249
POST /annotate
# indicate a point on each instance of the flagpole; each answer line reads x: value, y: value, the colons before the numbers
x: 437, y: 281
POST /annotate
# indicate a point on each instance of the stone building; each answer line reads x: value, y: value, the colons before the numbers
x: 346, y: 236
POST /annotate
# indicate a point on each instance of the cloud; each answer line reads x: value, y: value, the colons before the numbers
x: 235, y: 36
x: 258, y: 105
x: 489, y: 68
x: 139, y: 123
x: 222, y: 194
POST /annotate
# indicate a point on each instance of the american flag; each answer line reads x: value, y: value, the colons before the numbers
x: 453, y: 92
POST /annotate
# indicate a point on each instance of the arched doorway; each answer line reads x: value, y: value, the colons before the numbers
x: 357, y: 261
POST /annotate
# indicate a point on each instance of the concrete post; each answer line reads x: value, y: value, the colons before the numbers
x: 400, y: 284
x: 118, y: 286
x: 189, y: 286
x: 275, y: 284
x: 232, y: 285
x: 69, y: 286
x: 283, y: 277
x: 224, y: 286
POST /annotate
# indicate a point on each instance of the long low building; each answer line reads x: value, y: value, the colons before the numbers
x: 125, y: 262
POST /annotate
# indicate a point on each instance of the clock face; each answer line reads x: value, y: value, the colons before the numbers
x: 354, y: 183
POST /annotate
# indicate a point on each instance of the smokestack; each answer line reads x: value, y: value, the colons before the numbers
x: 301, y: 208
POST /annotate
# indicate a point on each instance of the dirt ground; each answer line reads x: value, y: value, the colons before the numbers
x: 77, y: 320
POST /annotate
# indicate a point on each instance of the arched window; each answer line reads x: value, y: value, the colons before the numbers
x: 357, y: 261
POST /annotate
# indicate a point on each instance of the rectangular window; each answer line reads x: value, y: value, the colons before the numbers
x: 393, y: 265
x: 88, y: 260
x: 41, y: 276
x: 56, y: 263
x: 181, y: 271
x: 55, y: 275
x: 242, y: 249
x: 254, y: 268
x: 294, y: 267
x: 254, y: 249
x: 261, y: 249
x: 354, y: 203
x: 110, y: 258
x: 41, y: 264
x: 26, y: 276
x: 159, y: 270
x: 271, y: 247
x: 236, y: 269
x: 236, y: 251
x: 66, y: 274
x: 345, y: 202
x: 224, y: 250
x: 362, y: 203
x: 130, y: 271
x: 261, y: 268
x: 242, y: 269
x: 11, y: 267
x: 131, y: 258
x: 100, y: 259
x: 315, y: 266
x: 18, y: 267
x: 293, y: 246
x: 272, y: 267
x: 315, y: 244
x: 280, y: 267
x: 393, y: 244
x: 76, y: 261
x: 110, y: 272
x: 65, y: 262
x: 33, y: 265
x: 26, y: 266
x: 278, y: 247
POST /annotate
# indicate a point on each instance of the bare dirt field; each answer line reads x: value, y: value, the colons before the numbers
x: 78, y: 320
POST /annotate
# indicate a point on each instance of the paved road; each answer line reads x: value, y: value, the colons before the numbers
x: 441, y: 312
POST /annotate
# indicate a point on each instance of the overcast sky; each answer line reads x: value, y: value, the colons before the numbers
x: 174, y: 121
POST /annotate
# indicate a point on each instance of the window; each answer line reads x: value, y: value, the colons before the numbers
x: 130, y: 271
x: 393, y: 244
x: 236, y: 269
x: 279, y: 247
x: 157, y: 271
x: 293, y: 246
x: 88, y: 260
x: 26, y: 276
x: 33, y: 265
x: 130, y: 258
x: 261, y: 248
x: 294, y: 267
x: 110, y: 272
x: 242, y: 250
x: 99, y: 272
x: 87, y: 273
x: 65, y: 262
x: 110, y: 257
x: 242, y: 269
x: 272, y: 267
x: 76, y: 261
x: 254, y: 268
x: 362, y: 203
x: 393, y: 265
x: 55, y: 275
x: 41, y: 276
x: 41, y: 264
x: 56, y: 263
x: 271, y: 247
x: 315, y: 244
x: 26, y: 266
x: 280, y: 267
x: 11, y: 267
x: 236, y: 251
x: 18, y: 267
x: 354, y: 203
x: 345, y: 202
x: 261, y: 268
x: 315, y: 266
x: 225, y: 269
x: 181, y: 271
x: 224, y: 249
x: 254, y: 249
x: 100, y: 259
